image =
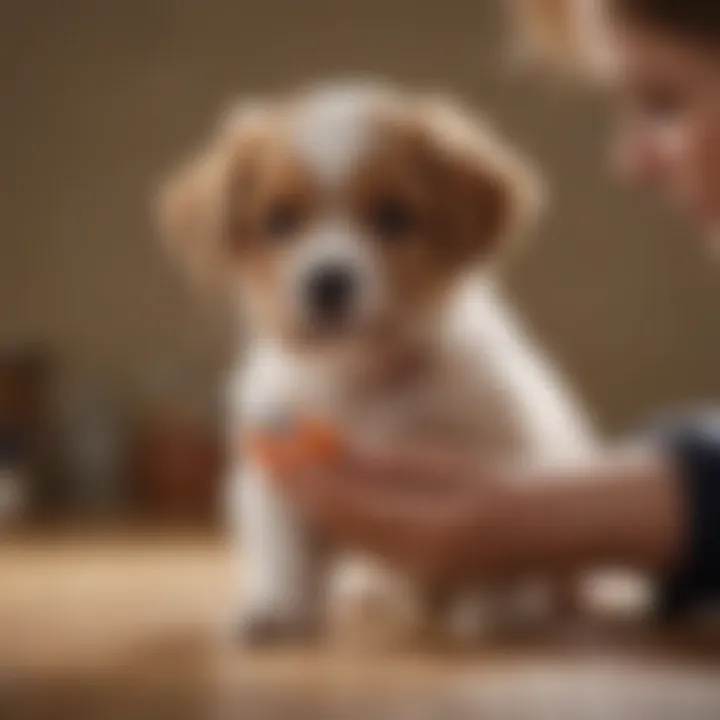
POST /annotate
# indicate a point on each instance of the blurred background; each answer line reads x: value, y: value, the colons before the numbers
x: 98, y: 332
x: 111, y: 367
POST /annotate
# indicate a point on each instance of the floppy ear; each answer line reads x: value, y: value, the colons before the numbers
x: 190, y: 215
x: 193, y: 205
x: 489, y: 193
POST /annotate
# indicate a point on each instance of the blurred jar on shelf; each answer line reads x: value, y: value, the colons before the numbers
x: 24, y: 436
x: 91, y: 453
x: 14, y: 485
x: 178, y: 461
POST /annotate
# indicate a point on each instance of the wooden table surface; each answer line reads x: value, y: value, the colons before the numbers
x: 133, y: 624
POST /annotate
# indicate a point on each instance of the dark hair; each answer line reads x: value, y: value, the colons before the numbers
x: 698, y: 20
x: 559, y: 32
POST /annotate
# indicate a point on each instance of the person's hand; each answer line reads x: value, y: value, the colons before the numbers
x: 427, y: 511
x: 449, y: 518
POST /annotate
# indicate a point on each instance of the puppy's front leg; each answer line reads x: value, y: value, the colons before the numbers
x: 279, y: 563
x: 372, y: 606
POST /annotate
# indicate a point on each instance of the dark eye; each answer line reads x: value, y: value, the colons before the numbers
x: 282, y: 220
x: 392, y: 219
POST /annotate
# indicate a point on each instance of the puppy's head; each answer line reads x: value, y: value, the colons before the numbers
x: 343, y: 214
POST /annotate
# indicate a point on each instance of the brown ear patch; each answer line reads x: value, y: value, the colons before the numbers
x: 488, y: 193
x: 197, y: 208
x: 190, y: 215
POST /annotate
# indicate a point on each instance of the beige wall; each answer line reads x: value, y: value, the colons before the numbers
x: 100, y: 96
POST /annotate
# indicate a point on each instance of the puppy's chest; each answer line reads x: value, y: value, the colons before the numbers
x: 441, y: 407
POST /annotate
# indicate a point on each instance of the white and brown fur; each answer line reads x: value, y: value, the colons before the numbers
x: 413, y: 200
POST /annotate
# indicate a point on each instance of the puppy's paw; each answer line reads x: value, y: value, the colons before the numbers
x: 372, y: 609
x: 267, y: 629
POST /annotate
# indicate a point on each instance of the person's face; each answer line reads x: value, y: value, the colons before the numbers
x: 670, y: 129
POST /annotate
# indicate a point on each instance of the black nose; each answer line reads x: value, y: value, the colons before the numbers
x: 330, y: 292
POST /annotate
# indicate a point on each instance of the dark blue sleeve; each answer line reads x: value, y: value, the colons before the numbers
x: 695, y: 447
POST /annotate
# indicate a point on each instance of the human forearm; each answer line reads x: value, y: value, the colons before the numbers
x: 624, y: 508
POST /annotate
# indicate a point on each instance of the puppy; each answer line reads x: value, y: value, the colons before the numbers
x: 356, y: 228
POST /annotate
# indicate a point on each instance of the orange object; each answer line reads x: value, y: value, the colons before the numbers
x: 309, y: 443
x: 326, y: 444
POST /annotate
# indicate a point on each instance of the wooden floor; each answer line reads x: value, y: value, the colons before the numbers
x: 126, y: 625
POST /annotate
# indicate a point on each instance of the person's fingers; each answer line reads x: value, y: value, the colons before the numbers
x: 389, y: 523
x: 417, y: 469
x: 312, y: 443
x: 401, y: 504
